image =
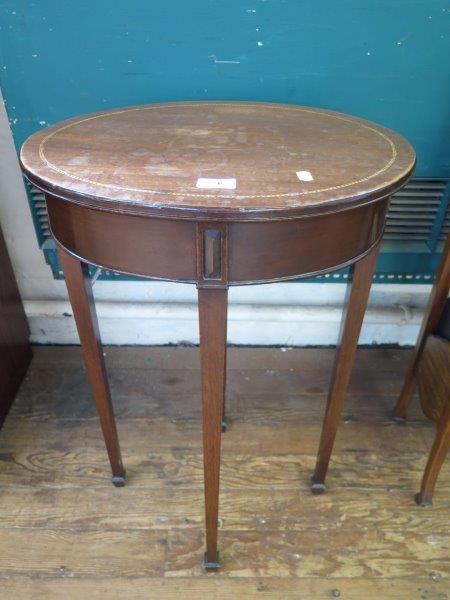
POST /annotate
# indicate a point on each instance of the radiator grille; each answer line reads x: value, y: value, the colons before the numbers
x: 39, y: 210
x: 414, y: 210
x: 445, y: 225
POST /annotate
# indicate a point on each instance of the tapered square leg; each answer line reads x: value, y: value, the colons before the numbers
x: 78, y: 283
x: 213, y: 318
x: 357, y: 295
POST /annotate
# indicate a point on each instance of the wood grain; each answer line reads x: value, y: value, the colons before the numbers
x: 369, y: 554
x: 212, y: 307
x: 57, y: 552
x: 254, y: 588
x: 433, y: 377
x: 355, y: 303
x: 273, y: 437
x: 65, y: 532
x: 179, y: 358
x: 173, y: 507
x: 147, y: 160
x: 79, y: 287
x: 175, y: 393
x: 55, y: 467
x: 360, y: 553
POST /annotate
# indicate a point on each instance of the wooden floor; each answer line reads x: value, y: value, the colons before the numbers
x: 66, y: 532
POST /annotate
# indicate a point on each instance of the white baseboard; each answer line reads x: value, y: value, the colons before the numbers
x: 129, y: 323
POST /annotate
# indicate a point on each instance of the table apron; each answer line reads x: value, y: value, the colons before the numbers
x: 216, y: 254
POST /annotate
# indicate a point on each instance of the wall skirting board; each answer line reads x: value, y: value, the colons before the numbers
x: 147, y: 323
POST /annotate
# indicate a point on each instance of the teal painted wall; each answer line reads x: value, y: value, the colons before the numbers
x: 386, y: 60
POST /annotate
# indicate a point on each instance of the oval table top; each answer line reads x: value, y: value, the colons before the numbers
x: 225, y: 160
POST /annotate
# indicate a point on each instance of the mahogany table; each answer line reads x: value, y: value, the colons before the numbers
x: 217, y: 194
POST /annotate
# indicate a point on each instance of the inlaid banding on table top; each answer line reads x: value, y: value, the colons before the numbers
x: 193, y: 194
x: 266, y: 146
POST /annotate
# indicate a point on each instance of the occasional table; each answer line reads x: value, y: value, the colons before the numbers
x: 217, y: 194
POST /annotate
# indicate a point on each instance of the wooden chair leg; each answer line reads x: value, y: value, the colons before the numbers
x: 81, y: 298
x: 433, y: 312
x: 213, y: 318
x: 436, y: 458
x: 407, y: 393
x: 357, y: 295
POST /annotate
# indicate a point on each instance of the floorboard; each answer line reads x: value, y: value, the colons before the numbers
x: 66, y: 532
